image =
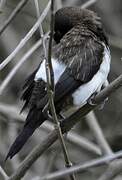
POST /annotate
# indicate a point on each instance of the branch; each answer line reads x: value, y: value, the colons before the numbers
x: 83, y: 167
x: 51, y: 91
x: 67, y: 124
x: 26, y: 38
x: 13, y: 113
x: 114, y: 169
x: 18, y: 8
x: 21, y: 61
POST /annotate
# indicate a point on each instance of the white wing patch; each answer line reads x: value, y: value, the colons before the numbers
x: 83, y: 93
x: 58, y: 69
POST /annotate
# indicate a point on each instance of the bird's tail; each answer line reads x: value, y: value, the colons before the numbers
x: 34, y: 119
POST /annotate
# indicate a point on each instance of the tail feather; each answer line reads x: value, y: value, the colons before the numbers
x: 34, y: 119
x: 19, y: 142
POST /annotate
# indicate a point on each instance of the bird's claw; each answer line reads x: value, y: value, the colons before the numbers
x: 90, y: 101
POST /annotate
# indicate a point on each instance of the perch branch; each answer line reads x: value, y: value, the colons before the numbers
x: 67, y: 124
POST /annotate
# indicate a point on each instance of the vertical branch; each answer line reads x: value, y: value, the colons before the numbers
x: 50, y: 90
x: 49, y: 63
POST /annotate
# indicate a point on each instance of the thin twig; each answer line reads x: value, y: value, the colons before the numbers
x: 88, y: 3
x: 26, y: 38
x: 2, y: 172
x: 18, y: 8
x: 98, y: 134
x: 50, y: 91
x: 82, y: 167
x: 67, y: 124
x: 19, y: 64
x: 13, y: 113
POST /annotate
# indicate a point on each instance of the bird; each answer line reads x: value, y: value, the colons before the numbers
x: 81, y: 64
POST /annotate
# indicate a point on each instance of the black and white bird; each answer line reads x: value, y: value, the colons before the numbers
x: 81, y: 63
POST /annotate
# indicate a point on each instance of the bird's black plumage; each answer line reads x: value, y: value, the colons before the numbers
x: 80, y: 47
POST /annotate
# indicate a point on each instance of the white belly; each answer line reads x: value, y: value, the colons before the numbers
x: 83, y: 93
x: 58, y: 69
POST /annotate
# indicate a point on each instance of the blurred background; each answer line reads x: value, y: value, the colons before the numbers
x: 109, y: 117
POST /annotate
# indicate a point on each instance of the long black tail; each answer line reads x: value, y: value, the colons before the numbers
x: 34, y: 119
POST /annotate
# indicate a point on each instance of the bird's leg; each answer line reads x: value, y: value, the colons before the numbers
x: 101, y: 106
x: 90, y: 100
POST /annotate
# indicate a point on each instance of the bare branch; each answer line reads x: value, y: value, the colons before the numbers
x: 26, y: 38
x: 13, y: 113
x: 50, y: 92
x: 98, y: 134
x: 21, y: 61
x: 18, y: 8
x: 82, y: 167
x: 66, y: 125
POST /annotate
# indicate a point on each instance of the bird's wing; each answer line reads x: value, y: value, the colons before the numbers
x: 28, y: 87
x: 83, y: 55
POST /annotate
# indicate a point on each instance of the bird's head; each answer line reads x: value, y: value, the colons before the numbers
x: 68, y: 17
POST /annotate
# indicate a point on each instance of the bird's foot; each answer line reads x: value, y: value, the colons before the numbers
x: 102, y: 104
x: 90, y: 101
